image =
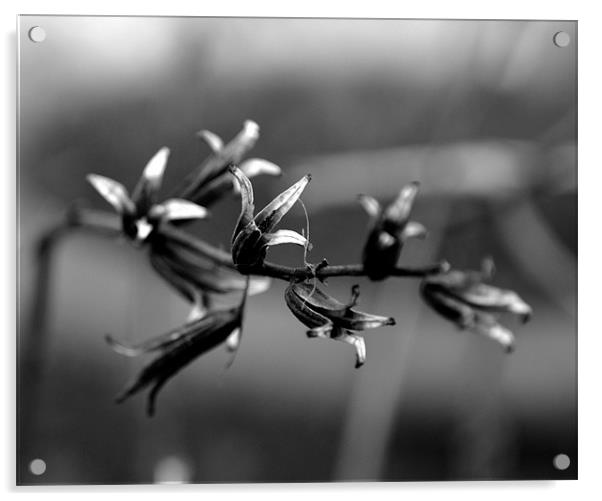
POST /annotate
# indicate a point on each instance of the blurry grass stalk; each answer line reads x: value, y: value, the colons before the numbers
x: 538, y: 239
x: 378, y: 391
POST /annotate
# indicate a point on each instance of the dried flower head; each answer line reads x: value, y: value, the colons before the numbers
x: 211, y: 180
x: 140, y: 213
x: 463, y: 298
x: 328, y: 318
x: 390, y: 227
x: 254, y: 234
x: 182, y: 263
x: 178, y: 348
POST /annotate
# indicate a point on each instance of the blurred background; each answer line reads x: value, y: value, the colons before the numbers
x: 482, y: 113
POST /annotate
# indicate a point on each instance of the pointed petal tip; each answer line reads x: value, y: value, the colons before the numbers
x: 121, y: 397
x: 444, y: 267
x: 213, y: 140
x: 369, y: 204
x: 250, y: 126
x: 156, y: 166
x: 256, y: 166
x: 158, y: 161
x: 178, y: 209
x: 249, y: 133
x: 112, y: 191
x: 120, y: 348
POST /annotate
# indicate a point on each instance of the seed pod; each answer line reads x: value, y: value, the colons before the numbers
x: 181, y: 346
x: 178, y: 348
x: 329, y: 318
x: 224, y: 184
x: 462, y: 298
x: 211, y: 180
x: 253, y: 234
x: 390, y: 229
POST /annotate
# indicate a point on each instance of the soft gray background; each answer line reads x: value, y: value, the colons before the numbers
x: 482, y: 113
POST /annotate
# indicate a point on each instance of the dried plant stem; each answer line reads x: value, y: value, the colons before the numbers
x: 33, y: 342
x: 343, y: 270
x: 288, y: 273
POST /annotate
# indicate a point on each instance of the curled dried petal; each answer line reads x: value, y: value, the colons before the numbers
x: 320, y: 325
x: 370, y: 205
x: 413, y: 230
x: 252, y: 235
x: 213, y: 140
x: 242, y: 142
x: 284, y: 237
x: 145, y: 192
x: 113, y: 192
x: 272, y: 213
x: 328, y: 317
x: 452, y: 309
x: 247, y: 207
x: 257, y: 166
x: 178, y: 348
x: 195, y: 186
x: 180, y: 334
x: 489, y: 298
x: 317, y: 298
x: 398, y: 212
x: 357, y: 342
x: 223, y: 184
x: 178, y: 209
x: 460, y: 296
x: 390, y: 229
x: 488, y: 326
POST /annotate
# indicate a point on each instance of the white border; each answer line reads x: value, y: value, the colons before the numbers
x: 590, y: 87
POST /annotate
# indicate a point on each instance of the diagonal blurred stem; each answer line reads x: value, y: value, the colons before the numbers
x: 101, y: 223
x: 33, y: 345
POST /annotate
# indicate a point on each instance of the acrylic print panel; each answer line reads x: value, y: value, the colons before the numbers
x: 131, y: 285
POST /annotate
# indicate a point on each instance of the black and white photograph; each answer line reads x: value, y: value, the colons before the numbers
x: 295, y: 250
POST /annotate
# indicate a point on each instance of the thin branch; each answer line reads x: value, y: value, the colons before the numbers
x: 273, y: 270
x: 344, y: 270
